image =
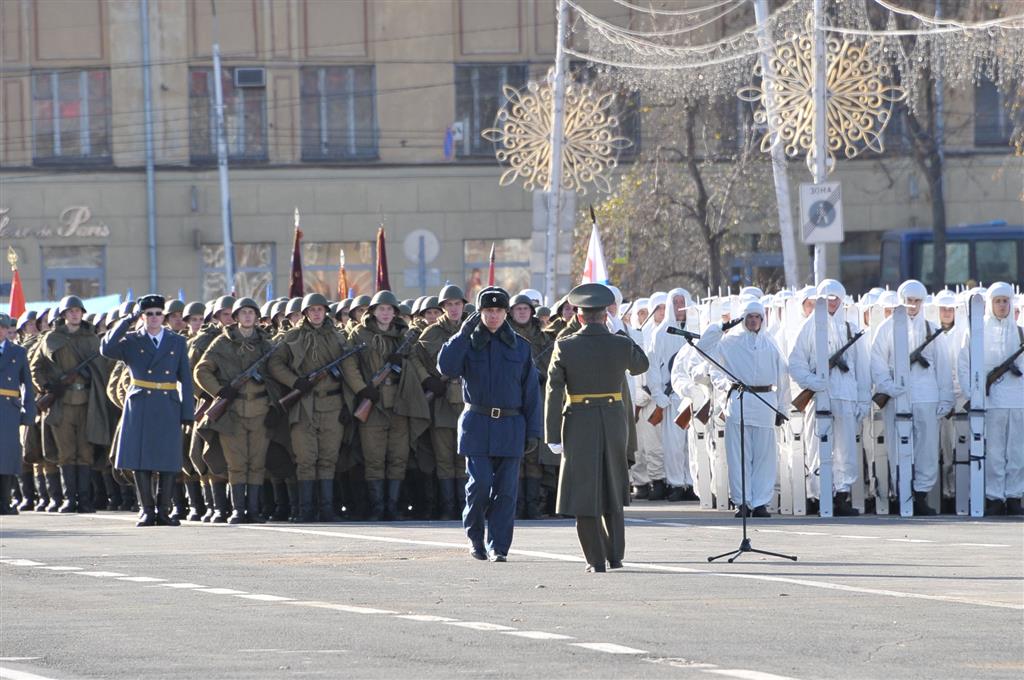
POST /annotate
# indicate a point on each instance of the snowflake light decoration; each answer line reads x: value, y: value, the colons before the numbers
x: 590, y: 145
x: 858, y: 99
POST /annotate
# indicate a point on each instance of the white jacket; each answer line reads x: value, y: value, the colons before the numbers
x: 932, y: 384
x: 1002, y: 338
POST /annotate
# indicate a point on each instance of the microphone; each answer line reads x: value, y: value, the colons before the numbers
x: 672, y: 330
x: 732, y: 322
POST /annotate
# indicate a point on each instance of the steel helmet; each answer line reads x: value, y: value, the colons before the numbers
x: 360, y: 301
x: 385, y: 297
x: 68, y: 302
x: 311, y: 300
x: 451, y: 292
x: 173, y: 306
x: 241, y: 303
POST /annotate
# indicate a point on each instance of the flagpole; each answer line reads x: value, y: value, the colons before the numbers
x: 490, y: 267
x: 557, y: 124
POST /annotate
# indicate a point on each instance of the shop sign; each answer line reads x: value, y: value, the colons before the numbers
x: 72, y: 222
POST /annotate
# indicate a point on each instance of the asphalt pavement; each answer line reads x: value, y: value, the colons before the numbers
x: 91, y: 596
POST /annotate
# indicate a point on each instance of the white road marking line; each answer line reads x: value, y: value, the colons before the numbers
x: 220, y: 591
x: 19, y: 658
x: 11, y: 674
x: 179, y: 585
x: 538, y: 635
x: 983, y: 545
x: 909, y: 540
x: 343, y: 607
x: 141, y: 579
x: 426, y: 618
x: 678, y: 663
x: 635, y: 565
x: 607, y: 647
x: 62, y: 568
x: 748, y: 675
x: 857, y: 536
x: 479, y: 625
x: 99, y: 574
x: 23, y: 563
x: 266, y: 598
x: 294, y: 651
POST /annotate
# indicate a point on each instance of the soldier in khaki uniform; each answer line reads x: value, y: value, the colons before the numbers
x: 80, y: 417
x: 243, y: 433
x: 527, y: 326
x: 586, y: 421
x: 214, y: 483
x: 316, y: 430
x: 386, y: 434
x: 447, y: 403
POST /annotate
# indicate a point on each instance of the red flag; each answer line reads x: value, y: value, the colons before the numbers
x: 342, y: 276
x: 295, y: 288
x: 490, y: 268
x: 383, y: 283
x: 17, y: 307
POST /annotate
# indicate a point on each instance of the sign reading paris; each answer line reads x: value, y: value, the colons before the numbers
x: 72, y: 221
x: 821, y: 212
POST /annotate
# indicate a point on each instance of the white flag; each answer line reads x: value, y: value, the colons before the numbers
x: 595, y: 270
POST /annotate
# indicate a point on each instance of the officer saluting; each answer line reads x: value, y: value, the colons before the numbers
x: 587, y: 423
x: 17, y: 407
x: 160, y: 399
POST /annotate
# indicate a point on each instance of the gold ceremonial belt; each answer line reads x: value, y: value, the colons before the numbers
x: 155, y: 385
x: 584, y: 398
x: 10, y: 393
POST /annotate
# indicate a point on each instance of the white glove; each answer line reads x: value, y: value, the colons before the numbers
x: 662, y: 400
x: 555, y: 448
x: 861, y: 411
x: 642, y: 398
x: 817, y: 384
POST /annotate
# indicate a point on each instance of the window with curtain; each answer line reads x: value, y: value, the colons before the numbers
x: 71, y: 116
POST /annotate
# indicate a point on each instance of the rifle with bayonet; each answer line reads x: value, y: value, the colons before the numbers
x: 55, y: 388
x: 316, y: 376
x: 362, y: 412
x: 916, y: 357
x: 834, y: 361
x: 220, y: 404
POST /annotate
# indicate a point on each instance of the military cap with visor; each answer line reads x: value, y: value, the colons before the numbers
x: 591, y: 296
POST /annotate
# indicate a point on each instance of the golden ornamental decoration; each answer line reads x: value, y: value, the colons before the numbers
x: 590, y: 145
x: 858, y: 98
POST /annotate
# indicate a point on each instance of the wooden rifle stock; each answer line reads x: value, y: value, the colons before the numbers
x: 220, y: 404
x: 704, y: 414
x: 362, y: 412
x: 881, y: 400
x: 657, y: 415
x: 803, y: 399
x: 316, y: 376
x: 47, y: 399
x: 835, y: 361
x: 683, y: 418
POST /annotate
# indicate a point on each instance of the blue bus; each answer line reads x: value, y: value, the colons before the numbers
x: 979, y: 253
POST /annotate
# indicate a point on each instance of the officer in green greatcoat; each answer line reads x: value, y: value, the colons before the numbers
x: 587, y: 422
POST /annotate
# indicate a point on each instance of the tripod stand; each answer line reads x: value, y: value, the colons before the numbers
x: 741, y: 387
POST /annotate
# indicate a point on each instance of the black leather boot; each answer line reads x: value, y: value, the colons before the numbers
x: 207, y: 487
x: 393, y: 511
x: 446, y: 511
x: 995, y: 507
x: 534, y: 504
x: 85, y: 490
x: 253, y: 493
x: 375, y: 495
x: 307, y: 511
x: 237, y: 504
x: 282, y: 507
x: 921, y: 507
x: 129, y: 503
x: 676, y: 494
x: 179, y: 504
x: 843, y: 506
x: 1013, y: 507
x: 196, y: 506
x: 42, y: 492
x: 642, y: 492
x: 27, y: 483
x: 293, y: 500
x: 112, y: 490
x: 221, y: 509
x: 144, y: 491
x: 69, y: 480
x: 325, y: 504
x: 53, y: 488
x: 165, y: 500
x: 6, y: 487
x: 658, y: 490
x: 428, y: 495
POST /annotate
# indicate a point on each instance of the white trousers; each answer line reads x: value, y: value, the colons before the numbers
x: 761, y: 458
x: 926, y: 443
x: 844, y: 447
x: 1004, y: 453
x: 676, y: 448
x: 650, y: 458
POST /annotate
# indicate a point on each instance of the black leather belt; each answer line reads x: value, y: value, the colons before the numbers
x: 754, y: 388
x: 255, y: 395
x: 332, y: 393
x: 494, y: 412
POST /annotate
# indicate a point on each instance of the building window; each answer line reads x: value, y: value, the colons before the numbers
x: 73, y: 270
x: 254, y: 271
x: 897, y: 137
x: 478, y: 96
x: 860, y: 261
x: 339, y: 116
x: 993, y: 118
x: 245, y: 118
x: 511, y: 264
x: 320, y: 268
x: 71, y: 116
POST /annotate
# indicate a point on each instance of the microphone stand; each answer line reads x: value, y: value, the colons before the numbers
x: 741, y: 387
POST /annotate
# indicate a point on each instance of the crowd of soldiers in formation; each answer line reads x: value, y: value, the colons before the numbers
x: 308, y: 410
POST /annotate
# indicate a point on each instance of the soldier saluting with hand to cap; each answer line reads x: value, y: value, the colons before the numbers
x: 159, y: 400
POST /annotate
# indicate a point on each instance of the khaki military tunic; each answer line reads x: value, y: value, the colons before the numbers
x: 445, y: 408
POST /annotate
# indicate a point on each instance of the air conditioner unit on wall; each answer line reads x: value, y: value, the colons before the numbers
x: 250, y: 77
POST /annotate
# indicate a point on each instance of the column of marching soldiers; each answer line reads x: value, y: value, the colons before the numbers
x: 308, y: 410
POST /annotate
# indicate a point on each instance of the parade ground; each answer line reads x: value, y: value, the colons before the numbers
x: 91, y: 596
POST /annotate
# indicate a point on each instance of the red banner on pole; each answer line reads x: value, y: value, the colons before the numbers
x: 295, y: 287
x: 383, y: 282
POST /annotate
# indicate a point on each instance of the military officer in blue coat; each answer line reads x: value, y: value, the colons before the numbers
x: 17, y: 407
x: 160, y: 399
x: 500, y: 421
